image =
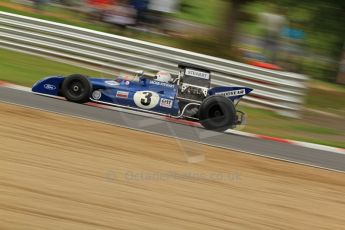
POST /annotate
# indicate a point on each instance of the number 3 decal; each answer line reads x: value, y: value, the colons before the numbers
x: 146, y: 99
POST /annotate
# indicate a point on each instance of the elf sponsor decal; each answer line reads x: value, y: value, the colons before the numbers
x: 162, y: 84
x: 122, y: 94
x: 50, y: 87
x: 232, y: 93
x: 198, y: 74
x: 166, y: 103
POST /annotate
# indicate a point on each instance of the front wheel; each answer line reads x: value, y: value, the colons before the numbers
x: 76, y: 88
x: 217, y: 113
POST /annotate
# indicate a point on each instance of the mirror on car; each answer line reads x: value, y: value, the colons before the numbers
x: 139, y: 73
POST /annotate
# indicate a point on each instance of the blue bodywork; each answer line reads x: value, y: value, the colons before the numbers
x: 134, y: 93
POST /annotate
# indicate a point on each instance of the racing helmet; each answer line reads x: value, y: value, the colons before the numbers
x: 163, y: 76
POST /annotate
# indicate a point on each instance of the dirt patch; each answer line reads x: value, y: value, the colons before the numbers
x: 66, y: 173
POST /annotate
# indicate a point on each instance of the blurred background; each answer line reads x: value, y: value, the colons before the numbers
x: 299, y: 36
x: 305, y: 37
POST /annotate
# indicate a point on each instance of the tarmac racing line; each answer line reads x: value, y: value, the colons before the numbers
x: 325, y: 157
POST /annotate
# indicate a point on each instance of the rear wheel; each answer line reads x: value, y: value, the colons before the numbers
x: 76, y: 88
x: 217, y: 113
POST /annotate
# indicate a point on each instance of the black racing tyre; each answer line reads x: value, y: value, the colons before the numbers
x: 217, y: 113
x: 76, y: 88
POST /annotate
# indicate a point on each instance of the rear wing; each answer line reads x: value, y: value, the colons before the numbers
x: 233, y: 93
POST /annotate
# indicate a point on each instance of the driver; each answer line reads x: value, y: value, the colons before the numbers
x: 163, y: 76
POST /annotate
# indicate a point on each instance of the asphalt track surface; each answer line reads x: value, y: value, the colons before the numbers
x: 266, y: 148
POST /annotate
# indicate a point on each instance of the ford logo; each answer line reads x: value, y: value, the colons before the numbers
x: 49, y: 87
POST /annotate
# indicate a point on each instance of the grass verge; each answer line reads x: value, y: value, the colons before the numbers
x: 25, y: 69
x: 312, y: 127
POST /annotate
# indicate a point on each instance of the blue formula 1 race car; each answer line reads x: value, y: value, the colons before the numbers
x: 187, y: 96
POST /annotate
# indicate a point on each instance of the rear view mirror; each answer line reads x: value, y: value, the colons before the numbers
x: 139, y: 73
